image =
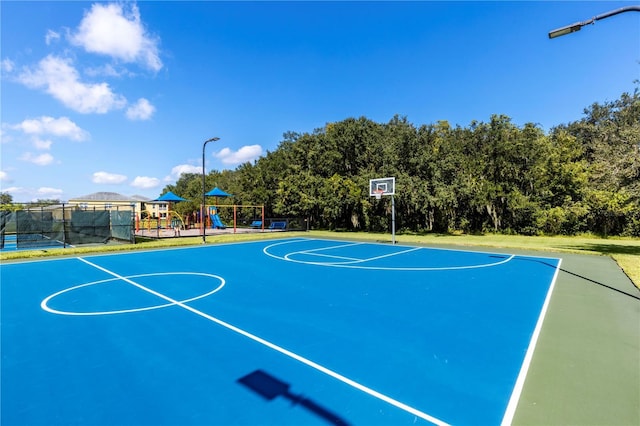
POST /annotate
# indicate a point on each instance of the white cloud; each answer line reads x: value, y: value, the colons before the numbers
x: 7, y: 65
x: 33, y: 194
x: 142, y: 110
x: 144, y: 182
x: 61, y: 127
x: 107, y: 70
x: 112, y: 30
x: 108, y: 178
x: 15, y: 190
x: 244, y: 154
x: 60, y: 79
x: 51, y: 36
x: 181, y: 169
x: 49, y: 192
x: 40, y: 160
x: 4, y: 177
x: 42, y: 144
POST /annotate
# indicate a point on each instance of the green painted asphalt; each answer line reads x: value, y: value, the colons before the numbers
x: 586, y: 367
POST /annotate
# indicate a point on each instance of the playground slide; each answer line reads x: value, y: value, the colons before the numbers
x: 216, y: 222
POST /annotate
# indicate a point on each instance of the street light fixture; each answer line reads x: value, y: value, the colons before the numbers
x: 204, y: 191
x: 578, y: 25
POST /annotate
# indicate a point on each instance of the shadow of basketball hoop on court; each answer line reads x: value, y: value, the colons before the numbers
x: 270, y: 388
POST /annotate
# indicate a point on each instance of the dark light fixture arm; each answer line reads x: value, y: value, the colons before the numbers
x: 578, y: 25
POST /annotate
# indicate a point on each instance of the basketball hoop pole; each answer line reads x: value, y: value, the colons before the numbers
x: 385, y: 186
x: 393, y: 221
x: 204, y: 194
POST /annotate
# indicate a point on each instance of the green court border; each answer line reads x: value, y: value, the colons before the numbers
x: 586, y: 367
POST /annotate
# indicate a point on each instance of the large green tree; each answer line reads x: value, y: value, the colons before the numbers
x: 489, y: 176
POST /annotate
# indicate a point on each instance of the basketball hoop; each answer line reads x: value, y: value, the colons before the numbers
x: 385, y: 186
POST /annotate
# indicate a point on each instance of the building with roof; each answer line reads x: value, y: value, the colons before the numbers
x: 143, y: 207
x: 113, y: 201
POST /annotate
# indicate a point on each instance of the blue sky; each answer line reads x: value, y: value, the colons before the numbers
x: 120, y: 96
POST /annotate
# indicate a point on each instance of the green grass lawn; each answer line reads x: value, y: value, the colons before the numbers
x: 625, y: 251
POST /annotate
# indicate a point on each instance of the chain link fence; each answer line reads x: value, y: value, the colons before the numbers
x: 61, y: 225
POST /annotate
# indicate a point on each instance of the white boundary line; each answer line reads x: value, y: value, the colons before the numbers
x: 526, y: 363
x: 280, y: 349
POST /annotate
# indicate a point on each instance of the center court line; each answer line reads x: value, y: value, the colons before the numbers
x: 280, y: 349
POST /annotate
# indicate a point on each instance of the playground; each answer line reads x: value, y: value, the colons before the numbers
x: 196, y: 231
x: 218, y: 219
x: 177, y: 226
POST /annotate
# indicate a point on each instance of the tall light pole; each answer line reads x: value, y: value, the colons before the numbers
x: 204, y: 191
x: 578, y: 25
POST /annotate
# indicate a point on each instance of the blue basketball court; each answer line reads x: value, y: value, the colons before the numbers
x: 282, y: 332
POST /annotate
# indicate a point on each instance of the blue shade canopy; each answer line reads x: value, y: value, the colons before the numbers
x: 170, y: 197
x: 217, y: 192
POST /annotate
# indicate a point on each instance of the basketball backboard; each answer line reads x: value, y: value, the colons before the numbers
x: 385, y: 185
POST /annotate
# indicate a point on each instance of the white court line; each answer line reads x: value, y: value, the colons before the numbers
x: 45, y: 303
x: 313, y: 251
x: 351, y: 265
x: 280, y: 349
x: 388, y: 255
x: 517, y: 389
x: 352, y: 259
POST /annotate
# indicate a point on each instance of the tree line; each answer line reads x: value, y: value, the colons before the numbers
x: 489, y: 176
x: 494, y: 176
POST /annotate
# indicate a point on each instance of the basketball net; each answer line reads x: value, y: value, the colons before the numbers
x: 378, y: 193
